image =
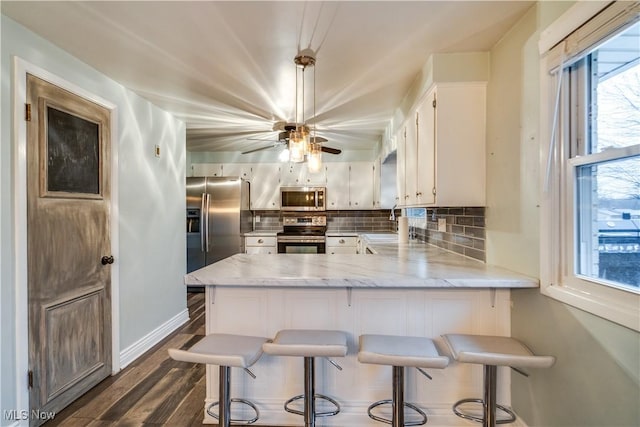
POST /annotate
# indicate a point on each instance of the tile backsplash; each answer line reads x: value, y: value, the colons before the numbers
x: 464, y: 230
x: 371, y: 221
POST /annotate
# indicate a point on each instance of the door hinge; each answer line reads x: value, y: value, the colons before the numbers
x: 30, y: 379
x: 434, y: 103
x: 27, y: 112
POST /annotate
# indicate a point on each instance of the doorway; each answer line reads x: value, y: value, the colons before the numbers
x: 68, y: 246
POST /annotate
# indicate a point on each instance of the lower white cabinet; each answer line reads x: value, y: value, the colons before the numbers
x: 342, y: 245
x: 260, y: 245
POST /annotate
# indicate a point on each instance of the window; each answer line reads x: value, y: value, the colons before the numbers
x: 603, y: 122
x: 593, y: 182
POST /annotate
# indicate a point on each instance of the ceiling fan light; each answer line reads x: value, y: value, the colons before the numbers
x: 284, y: 155
x: 314, y: 157
x: 296, y: 147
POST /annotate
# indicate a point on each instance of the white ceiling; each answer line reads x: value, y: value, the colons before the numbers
x: 226, y: 68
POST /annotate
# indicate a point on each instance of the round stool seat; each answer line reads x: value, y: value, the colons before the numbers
x: 393, y: 350
x: 237, y: 351
x: 493, y: 350
x: 307, y: 343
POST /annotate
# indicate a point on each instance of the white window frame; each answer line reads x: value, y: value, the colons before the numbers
x: 581, y: 28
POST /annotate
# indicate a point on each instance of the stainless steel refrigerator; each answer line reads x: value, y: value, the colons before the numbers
x: 217, y: 216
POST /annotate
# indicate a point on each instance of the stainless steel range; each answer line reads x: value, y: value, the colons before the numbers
x: 302, y: 234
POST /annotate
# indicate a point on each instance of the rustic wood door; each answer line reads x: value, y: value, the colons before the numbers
x: 68, y: 244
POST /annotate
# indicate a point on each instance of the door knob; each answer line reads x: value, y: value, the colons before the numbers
x: 107, y: 260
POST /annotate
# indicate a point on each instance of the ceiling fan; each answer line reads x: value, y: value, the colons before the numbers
x: 298, y: 138
x: 282, y: 139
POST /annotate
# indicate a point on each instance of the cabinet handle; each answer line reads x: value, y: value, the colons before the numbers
x: 341, y: 241
x: 260, y: 241
x: 419, y: 194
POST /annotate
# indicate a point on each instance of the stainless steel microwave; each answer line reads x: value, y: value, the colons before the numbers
x: 302, y: 198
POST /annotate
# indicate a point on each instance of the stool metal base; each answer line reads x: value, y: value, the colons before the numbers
x: 236, y: 420
x: 388, y: 421
x: 489, y: 404
x: 458, y: 412
x: 397, y: 403
x: 310, y: 397
x: 317, y: 414
x: 224, y: 402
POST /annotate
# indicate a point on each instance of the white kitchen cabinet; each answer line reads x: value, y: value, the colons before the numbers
x: 350, y: 185
x: 243, y: 170
x: 361, y: 185
x: 401, y: 174
x: 337, y: 174
x: 426, y: 150
x: 260, y: 245
x: 206, y: 169
x: 441, y: 159
x: 411, y: 160
x: 265, y: 186
x: 377, y: 184
x: 298, y: 174
x: 342, y: 245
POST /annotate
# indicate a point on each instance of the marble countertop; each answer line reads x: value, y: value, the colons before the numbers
x: 342, y: 234
x: 261, y: 234
x: 393, y: 265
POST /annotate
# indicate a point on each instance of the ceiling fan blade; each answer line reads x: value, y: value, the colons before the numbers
x: 318, y: 139
x: 330, y: 150
x: 259, y: 149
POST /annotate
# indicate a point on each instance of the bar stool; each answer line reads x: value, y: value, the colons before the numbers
x: 400, y: 352
x: 492, y: 351
x: 226, y: 351
x: 309, y: 344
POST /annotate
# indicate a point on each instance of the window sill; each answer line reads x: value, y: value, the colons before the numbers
x: 617, y: 306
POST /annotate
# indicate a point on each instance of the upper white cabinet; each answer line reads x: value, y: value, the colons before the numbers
x: 265, y: 186
x: 361, y: 185
x: 351, y: 185
x: 337, y: 185
x: 441, y: 148
x: 401, y: 174
x: 354, y: 185
x: 243, y: 170
x: 206, y: 169
x: 299, y: 174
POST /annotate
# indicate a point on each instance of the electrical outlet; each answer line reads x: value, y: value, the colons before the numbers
x: 157, y: 150
x: 442, y: 224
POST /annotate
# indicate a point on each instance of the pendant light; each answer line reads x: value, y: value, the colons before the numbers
x: 302, y: 142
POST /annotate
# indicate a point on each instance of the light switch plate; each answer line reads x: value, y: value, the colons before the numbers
x: 442, y: 224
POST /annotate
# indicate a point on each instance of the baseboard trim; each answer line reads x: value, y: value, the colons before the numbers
x: 137, y: 349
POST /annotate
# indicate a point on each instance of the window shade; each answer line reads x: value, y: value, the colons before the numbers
x: 581, y: 36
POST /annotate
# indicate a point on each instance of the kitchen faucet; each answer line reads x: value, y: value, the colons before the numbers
x: 392, y: 217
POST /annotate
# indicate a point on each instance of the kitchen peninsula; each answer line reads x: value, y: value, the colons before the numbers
x: 400, y: 289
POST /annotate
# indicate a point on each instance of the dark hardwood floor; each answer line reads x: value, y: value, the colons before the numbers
x: 154, y: 390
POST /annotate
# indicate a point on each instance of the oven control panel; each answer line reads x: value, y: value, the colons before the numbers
x: 302, y: 221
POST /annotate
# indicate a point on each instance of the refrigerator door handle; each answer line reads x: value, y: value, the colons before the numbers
x: 206, y: 237
x: 203, y: 222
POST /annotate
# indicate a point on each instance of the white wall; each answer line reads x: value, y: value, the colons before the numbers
x: 150, y: 204
x: 595, y: 379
